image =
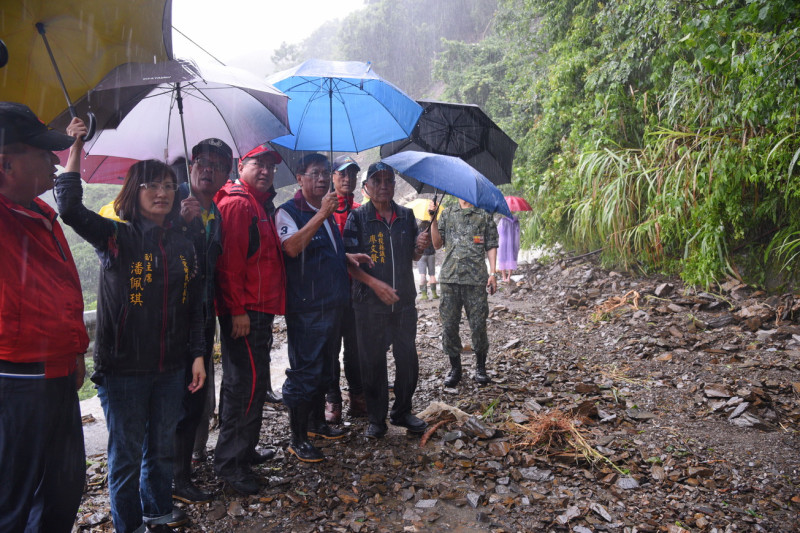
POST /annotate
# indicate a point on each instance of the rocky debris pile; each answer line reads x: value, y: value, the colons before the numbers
x: 654, y: 407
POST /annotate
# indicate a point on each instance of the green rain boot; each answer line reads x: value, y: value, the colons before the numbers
x: 423, y: 291
x: 433, y: 291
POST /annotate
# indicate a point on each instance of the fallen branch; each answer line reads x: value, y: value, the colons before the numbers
x: 587, y: 254
x: 431, y: 430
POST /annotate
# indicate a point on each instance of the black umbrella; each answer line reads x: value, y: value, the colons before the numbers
x: 464, y: 131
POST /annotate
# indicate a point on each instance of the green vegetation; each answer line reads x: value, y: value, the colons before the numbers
x: 88, y: 389
x: 665, y: 132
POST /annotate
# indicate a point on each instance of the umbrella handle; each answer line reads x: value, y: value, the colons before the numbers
x: 435, y: 213
x: 3, y: 54
x: 92, y: 127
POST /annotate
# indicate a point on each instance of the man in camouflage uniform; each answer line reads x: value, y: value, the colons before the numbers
x: 469, y: 235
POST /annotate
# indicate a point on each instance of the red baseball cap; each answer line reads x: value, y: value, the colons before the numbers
x: 263, y: 149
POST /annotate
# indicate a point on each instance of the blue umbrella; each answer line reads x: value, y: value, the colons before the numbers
x: 342, y: 106
x: 451, y: 175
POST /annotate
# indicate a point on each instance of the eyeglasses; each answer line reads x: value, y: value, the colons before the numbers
x: 264, y: 165
x: 350, y: 171
x: 168, y: 186
x: 216, y: 166
x: 316, y: 175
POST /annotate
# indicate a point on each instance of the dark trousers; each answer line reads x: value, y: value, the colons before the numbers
x: 42, y: 458
x: 245, y: 370
x: 376, y: 331
x: 352, y: 368
x: 313, y: 339
x: 194, y: 406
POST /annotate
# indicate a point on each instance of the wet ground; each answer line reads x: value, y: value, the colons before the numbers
x: 618, y: 403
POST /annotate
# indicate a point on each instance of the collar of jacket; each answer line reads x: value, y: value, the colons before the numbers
x: 372, y: 213
x: 46, y: 217
x: 301, y: 203
x: 146, y: 226
x: 345, y: 202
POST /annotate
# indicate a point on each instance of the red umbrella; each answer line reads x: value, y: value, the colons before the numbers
x: 101, y: 168
x: 515, y: 203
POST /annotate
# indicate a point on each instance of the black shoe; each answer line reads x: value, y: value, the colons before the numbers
x: 272, y: 397
x: 177, y: 518
x: 375, y: 431
x: 306, y: 452
x: 411, y: 423
x: 453, y: 377
x: 190, y: 493
x: 243, y: 484
x: 159, y: 528
x: 261, y: 455
x: 325, y: 431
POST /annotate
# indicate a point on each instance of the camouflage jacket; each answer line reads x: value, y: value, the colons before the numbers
x: 467, y: 234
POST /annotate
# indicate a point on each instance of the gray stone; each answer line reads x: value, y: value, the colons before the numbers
x: 536, y: 474
x: 569, y: 514
x: 473, y: 499
x: 600, y: 510
x: 627, y: 483
x: 426, y: 504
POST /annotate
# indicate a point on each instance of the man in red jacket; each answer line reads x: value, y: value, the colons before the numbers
x: 251, y: 290
x: 345, y: 174
x: 42, y: 336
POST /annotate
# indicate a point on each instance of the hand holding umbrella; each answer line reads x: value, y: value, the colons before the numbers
x: 77, y: 129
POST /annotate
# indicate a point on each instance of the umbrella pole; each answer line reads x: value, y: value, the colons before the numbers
x: 330, y: 116
x: 92, y: 122
x: 179, y: 99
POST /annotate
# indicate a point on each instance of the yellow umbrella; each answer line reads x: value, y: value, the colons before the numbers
x: 87, y: 39
x: 420, y: 208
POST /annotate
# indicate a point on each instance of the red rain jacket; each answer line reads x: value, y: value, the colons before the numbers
x: 250, y: 271
x: 346, y: 204
x: 41, y: 304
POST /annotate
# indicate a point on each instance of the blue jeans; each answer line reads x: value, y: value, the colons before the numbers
x: 141, y: 412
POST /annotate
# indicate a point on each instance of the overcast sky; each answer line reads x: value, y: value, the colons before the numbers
x: 245, y: 33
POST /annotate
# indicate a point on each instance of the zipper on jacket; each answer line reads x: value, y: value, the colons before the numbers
x: 58, y: 244
x: 164, y: 308
x: 391, y: 249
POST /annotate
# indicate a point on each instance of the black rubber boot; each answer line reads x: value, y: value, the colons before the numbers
x: 301, y: 447
x: 317, y: 425
x: 480, y: 370
x: 454, y: 376
x: 271, y: 396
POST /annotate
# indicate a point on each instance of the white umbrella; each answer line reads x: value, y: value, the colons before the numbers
x: 140, y: 109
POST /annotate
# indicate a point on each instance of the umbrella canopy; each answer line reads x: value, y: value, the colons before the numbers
x: 460, y: 130
x: 451, y: 175
x: 515, y: 203
x: 100, y: 168
x: 140, y: 110
x: 342, y: 106
x: 87, y: 38
x: 420, y: 208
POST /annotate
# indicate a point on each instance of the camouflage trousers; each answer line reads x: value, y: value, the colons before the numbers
x: 473, y: 299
